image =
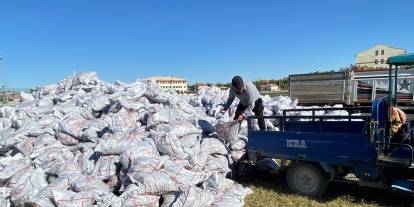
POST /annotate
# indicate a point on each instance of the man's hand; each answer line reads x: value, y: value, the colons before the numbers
x: 241, y: 118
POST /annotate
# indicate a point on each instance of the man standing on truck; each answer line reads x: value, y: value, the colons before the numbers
x: 250, y: 100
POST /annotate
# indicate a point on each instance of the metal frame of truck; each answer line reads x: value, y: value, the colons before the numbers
x: 300, y: 87
x: 323, y: 148
x: 382, y: 75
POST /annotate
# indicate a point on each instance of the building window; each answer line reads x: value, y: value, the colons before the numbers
x: 376, y: 61
x: 382, y: 52
x: 382, y: 61
x: 376, y: 52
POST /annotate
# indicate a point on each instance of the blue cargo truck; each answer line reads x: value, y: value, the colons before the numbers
x: 318, y: 149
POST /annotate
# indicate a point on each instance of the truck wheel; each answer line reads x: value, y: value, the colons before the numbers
x: 306, y: 179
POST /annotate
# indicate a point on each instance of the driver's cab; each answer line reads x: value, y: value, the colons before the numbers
x: 388, y: 123
x: 397, y: 149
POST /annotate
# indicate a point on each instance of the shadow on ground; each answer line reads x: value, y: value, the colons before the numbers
x: 349, y: 194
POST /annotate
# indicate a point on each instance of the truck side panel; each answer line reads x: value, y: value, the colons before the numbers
x: 317, y: 88
x: 344, y: 149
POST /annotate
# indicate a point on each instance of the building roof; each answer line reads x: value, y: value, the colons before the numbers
x: 379, y: 45
x: 270, y: 84
x: 165, y: 78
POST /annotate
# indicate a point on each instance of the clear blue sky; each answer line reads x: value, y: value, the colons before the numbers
x: 43, y: 41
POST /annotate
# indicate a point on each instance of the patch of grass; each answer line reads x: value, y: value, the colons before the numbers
x: 272, y: 190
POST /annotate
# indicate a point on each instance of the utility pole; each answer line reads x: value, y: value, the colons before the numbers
x: 1, y: 59
x: 4, y: 86
x: 258, y: 82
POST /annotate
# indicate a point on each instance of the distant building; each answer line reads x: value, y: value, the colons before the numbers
x: 265, y: 82
x: 9, y: 96
x: 376, y: 57
x: 270, y: 87
x: 201, y: 86
x: 178, y: 84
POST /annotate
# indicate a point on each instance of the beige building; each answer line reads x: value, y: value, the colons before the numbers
x: 178, y: 84
x: 201, y: 86
x: 270, y: 87
x: 376, y: 57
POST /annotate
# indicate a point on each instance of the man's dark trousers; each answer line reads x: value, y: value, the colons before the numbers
x: 258, y: 111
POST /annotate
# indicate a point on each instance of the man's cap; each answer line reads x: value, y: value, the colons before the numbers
x: 237, y: 82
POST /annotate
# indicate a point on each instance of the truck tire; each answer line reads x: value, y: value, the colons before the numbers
x: 306, y: 179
